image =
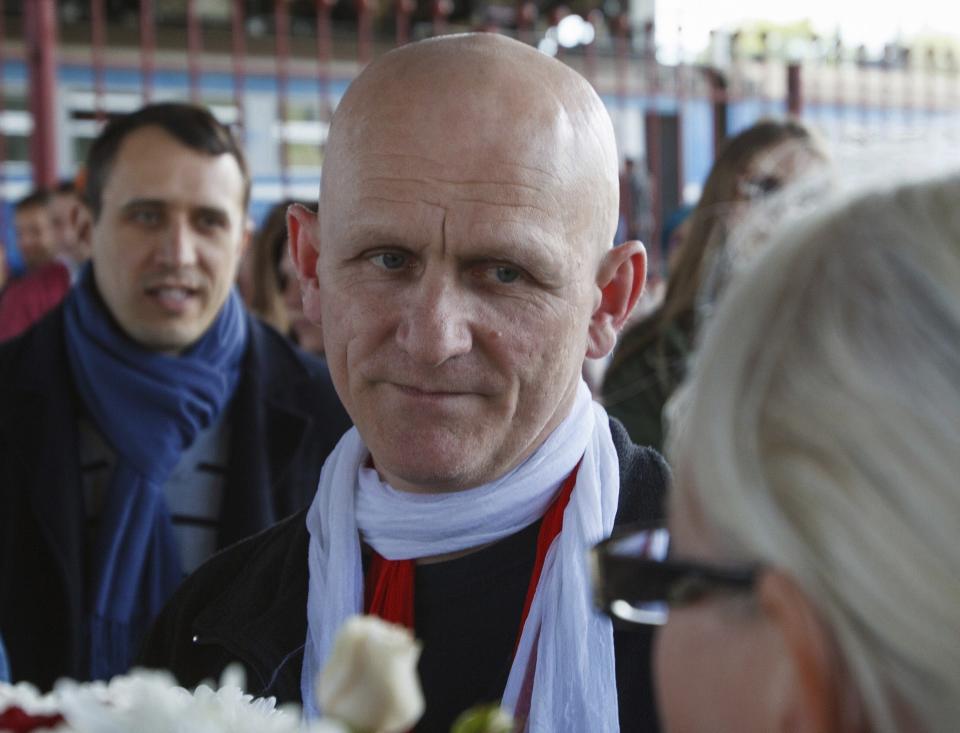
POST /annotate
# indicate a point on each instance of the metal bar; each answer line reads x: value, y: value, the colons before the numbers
x: 239, y: 57
x: 653, y: 129
x: 405, y: 9
x: 194, y: 50
x: 3, y: 135
x: 41, y: 45
x: 886, y: 96
x: 148, y: 46
x: 281, y: 20
x: 98, y: 32
x: 440, y: 12
x: 862, y: 92
x: 794, y: 91
x: 324, y: 46
x: 526, y: 14
x: 681, y: 79
x: 931, y: 72
x: 812, y: 78
x: 838, y: 93
x: 364, y: 31
x: 769, y: 78
x: 654, y: 135
x: 621, y: 25
x: 953, y: 93
x: 718, y: 106
x: 595, y: 18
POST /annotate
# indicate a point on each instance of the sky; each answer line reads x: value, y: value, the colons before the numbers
x: 870, y: 23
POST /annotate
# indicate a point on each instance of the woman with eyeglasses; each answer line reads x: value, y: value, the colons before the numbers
x: 812, y: 581
x: 650, y: 360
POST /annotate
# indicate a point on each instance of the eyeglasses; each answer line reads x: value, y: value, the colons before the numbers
x: 636, y: 583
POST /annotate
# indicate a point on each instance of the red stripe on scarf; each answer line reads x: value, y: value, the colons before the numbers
x: 389, y: 590
x: 389, y: 583
x: 549, y: 529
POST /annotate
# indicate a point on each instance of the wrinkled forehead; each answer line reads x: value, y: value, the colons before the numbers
x: 476, y: 108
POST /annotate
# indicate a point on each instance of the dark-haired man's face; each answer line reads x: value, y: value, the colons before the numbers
x: 167, y: 243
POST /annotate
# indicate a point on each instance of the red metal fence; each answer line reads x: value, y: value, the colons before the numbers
x: 296, y: 57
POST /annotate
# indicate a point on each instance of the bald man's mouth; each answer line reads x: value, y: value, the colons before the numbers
x: 433, y: 393
x: 425, y: 392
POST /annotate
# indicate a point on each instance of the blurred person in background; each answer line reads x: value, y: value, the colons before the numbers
x: 650, y: 360
x: 813, y: 576
x: 4, y: 267
x: 68, y: 216
x: 35, y: 237
x: 272, y: 285
x: 46, y: 280
x: 636, y: 202
x: 676, y: 227
x: 149, y: 420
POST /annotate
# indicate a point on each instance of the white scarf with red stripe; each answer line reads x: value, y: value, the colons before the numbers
x: 563, y: 676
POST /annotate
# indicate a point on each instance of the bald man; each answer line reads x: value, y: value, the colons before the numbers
x: 460, y: 270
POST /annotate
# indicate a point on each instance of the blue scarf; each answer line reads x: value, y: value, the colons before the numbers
x: 150, y: 407
x: 4, y: 666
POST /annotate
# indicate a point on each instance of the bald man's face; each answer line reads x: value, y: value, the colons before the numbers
x: 455, y: 289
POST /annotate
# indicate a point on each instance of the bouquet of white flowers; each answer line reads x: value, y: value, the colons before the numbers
x: 369, y: 685
x: 147, y: 701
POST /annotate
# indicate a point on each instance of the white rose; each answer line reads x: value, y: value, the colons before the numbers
x: 370, y: 681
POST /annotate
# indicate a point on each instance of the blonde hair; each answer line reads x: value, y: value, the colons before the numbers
x: 820, y: 433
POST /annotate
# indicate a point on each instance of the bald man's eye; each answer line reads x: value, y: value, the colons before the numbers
x: 390, y: 260
x: 506, y: 275
x: 493, y: 274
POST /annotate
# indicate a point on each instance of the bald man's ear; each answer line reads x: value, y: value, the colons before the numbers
x: 620, y: 278
x: 304, y: 243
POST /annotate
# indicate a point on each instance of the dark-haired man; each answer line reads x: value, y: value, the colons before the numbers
x: 149, y: 420
x: 461, y: 269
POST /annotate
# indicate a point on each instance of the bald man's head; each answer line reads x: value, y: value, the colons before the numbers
x: 477, y: 99
x: 462, y: 269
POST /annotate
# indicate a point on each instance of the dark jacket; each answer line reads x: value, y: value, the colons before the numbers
x: 249, y: 605
x: 285, y: 419
x: 643, y: 375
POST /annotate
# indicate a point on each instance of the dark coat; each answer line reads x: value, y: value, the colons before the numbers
x: 249, y: 605
x: 285, y: 420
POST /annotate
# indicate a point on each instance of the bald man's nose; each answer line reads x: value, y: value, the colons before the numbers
x: 435, y: 324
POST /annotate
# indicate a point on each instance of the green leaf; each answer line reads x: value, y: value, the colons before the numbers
x: 484, y: 719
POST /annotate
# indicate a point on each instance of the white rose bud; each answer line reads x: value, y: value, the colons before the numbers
x: 370, y: 681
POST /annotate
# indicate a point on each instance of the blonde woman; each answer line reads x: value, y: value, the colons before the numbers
x: 813, y: 578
